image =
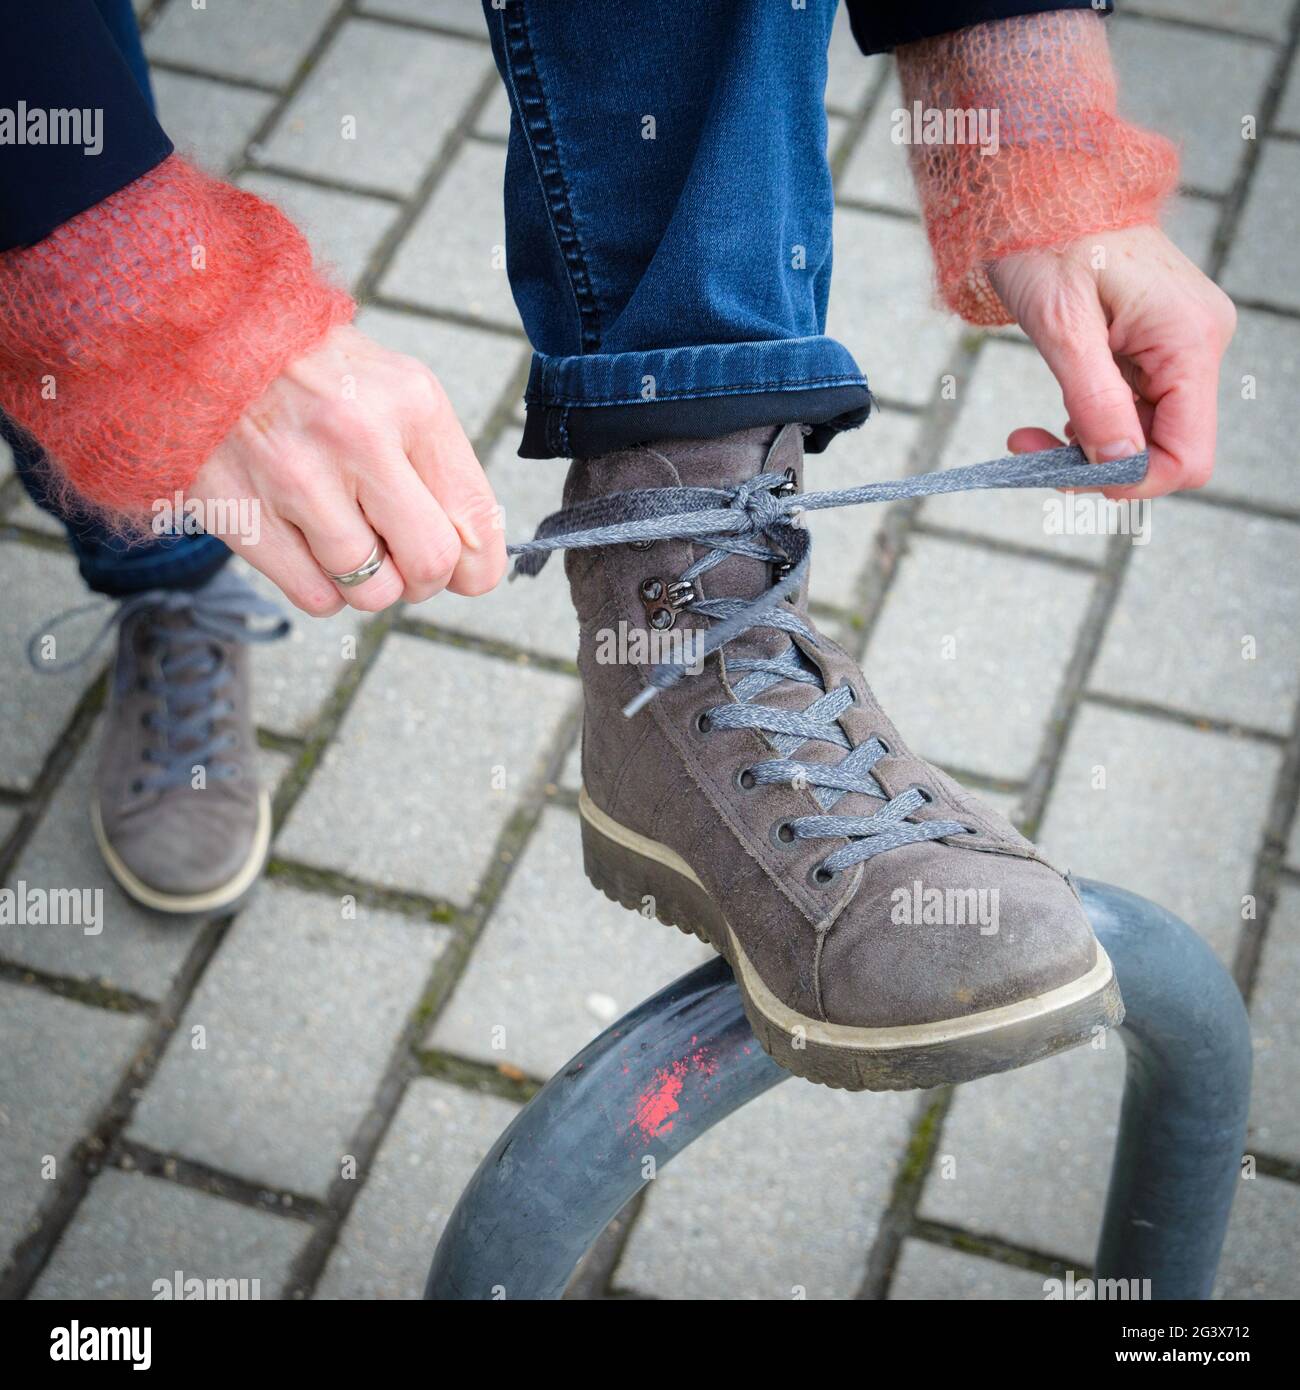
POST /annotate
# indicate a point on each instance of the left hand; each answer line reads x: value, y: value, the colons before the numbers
x: 1134, y: 333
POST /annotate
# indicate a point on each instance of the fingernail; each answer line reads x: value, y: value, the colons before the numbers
x: 1108, y: 453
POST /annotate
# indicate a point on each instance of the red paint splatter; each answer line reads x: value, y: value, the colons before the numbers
x: 656, y: 1105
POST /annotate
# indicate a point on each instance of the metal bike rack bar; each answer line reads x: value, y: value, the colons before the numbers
x: 686, y: 1058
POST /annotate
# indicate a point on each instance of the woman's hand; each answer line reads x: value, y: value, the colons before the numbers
x: 1134, y: 333
x: 350, y: 443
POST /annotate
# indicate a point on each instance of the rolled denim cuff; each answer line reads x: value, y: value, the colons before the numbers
x: 582, y: 406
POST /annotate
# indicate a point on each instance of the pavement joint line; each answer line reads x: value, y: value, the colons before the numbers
x: 899, y: 1216
x: 1201, y: 723
x: 474, y: 1074
x: 453, y: 317
x: 1284, y: 1169
x: 856, y: 121
x: 310, y: 878
x: 30, y: 1255
x: 80, y: 991
x: 1242, y: 506
x: 1270, y: 103
x: 1266, y: 306
x: 484, y: 646
x: 594, y: 1276
x: 1198, y: 26
x: 994, y: 1248
x: 998, y: 546
x: 1266, y: 877
x: 177, y: 68
x: 131, y: 1156
x: 14, y: 533
x: 876, y: 209
x: 419, y: 26
x: 323, y: 181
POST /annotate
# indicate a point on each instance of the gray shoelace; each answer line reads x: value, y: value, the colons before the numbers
x: 190, y: 686
x: 760, y: 518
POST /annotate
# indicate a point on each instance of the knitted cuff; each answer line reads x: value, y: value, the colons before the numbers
x: 1014, y: 144
x: 134, y: 336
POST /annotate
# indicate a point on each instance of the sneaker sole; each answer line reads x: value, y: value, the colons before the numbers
x: 643, y: 874
x: 223, y: 897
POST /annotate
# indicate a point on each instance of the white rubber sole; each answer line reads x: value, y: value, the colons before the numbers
x: 213, y: 899
x: 630, y: 868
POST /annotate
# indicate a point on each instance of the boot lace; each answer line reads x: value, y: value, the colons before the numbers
x: 191, y: 679
x: 761, y: 518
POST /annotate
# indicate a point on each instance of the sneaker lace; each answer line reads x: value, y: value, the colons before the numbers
x: 191, y: 678
x: 761, y: 518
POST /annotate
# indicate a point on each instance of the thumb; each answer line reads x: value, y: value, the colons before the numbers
x: 1098, y: 400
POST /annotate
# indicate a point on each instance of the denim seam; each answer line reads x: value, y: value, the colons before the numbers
x: 535, y: 120
x: 744, y: 389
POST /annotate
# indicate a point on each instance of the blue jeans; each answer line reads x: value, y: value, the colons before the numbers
x: 668, y: 220
x: 108, y: 564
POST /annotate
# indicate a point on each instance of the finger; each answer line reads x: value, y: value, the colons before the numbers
x: 424, y: 544
x: 341, y: 540
x: 1097, y: 398
x: 444, y: 458
x: 281, y: 554
x: 1030, y: 439
x: 1180, y: 437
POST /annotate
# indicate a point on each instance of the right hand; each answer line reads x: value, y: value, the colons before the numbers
x: 348, y: 443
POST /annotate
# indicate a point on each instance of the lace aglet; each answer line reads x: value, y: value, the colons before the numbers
x: 639, y: 702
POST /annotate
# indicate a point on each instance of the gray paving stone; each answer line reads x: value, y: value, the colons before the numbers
x: 785, y: 1195
x: 38, y: 585
x: 1190, y: 223
x: 844, y: 538
x: 24, y: 512
x: 1267, y: 17
x: 294, y: 677
x: 1162, y: 74
x: 137, y: 950
x: 938, y: 658
x: 557, y: 963
x: 1256, y: 421
x: 453, y: 257
x: 405, y: 796
x: 300, y: 1010
x: 9, y: 818
x: 877, y: 171
x: 1274, y: 1123
x: 1011, y: 386
x: 1261, y: 264
x: 926, y: 1271
x: 405, y: 91
x: 1259, y: 1252
x: 850, y: 73
x: 343, y: 228
x: 1180, y: 819
x: 1292, y: 855
x: 464, y: 18
x: 494, y: 122
x: 433, y: 1146
x: 1029, y: 1152
x: 208, y: 121
x: 60, y: 1064
x: 533, y: 614
x: 882, y: 305
x: 1209, y: 580
x: 257, y: 40
x: 132, y: 1230
x: 474, y: 366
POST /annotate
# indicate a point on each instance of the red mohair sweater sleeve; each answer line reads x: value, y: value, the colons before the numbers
x: 134, y: 336
x: 1060, y: 164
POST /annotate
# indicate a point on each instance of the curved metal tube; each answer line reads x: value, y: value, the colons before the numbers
x: 686, y: 1058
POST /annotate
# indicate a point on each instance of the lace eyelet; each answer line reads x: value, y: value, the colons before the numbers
x: 889, y: 752
x: 703, y: 724
x: 782, y: 834
x: 821, y: 877
x: 846, y: 684
x: 745, y: 779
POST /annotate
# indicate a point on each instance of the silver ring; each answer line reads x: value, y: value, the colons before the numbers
x: 363, y: 571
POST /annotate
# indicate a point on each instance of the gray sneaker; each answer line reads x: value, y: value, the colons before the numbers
x: 176, y: 807
x: 886, y: 929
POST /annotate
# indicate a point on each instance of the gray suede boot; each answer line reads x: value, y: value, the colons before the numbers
x: 886, y: 929
x: 176, y: 808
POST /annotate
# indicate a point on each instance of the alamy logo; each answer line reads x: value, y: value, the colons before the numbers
x: 915, y: 905
x: 21, y: 906
x: 639, y: 646
x: 950, y: 125
x: 1072, y: 1290
x: 40, y: 125
x: 179, y: 515
x: 189, y: 1288
x: 77, y: 1343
